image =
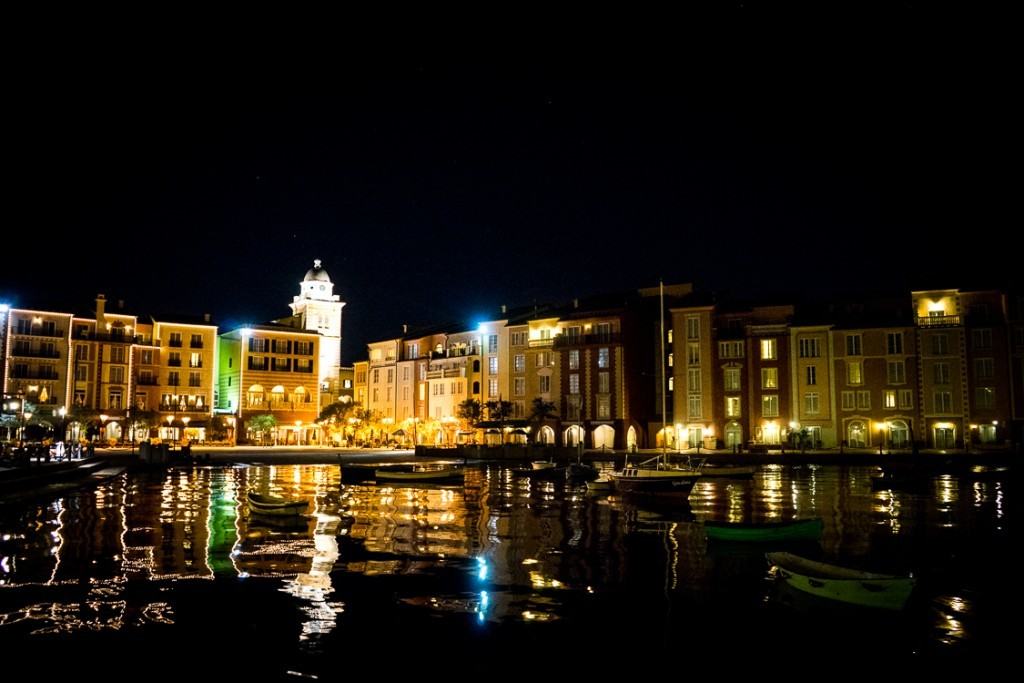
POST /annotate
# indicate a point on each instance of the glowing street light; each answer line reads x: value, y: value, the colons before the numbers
x: 103, y: 427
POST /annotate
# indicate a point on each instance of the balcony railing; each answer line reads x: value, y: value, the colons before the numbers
x: 195, y: 365
x: 107, y: 337
x: 33, y: 332
x: 146, y: 381
x: 541, y: 343
x: 34, y: 374
x: 175, y: 408
x: 195, y: 345
x: 563, y: 341
x: 939, y: 321
x: 174, y: 343
x: 174, y: 363
x: 37, y: 353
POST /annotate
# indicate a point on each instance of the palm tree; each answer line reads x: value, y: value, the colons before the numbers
x: 499, y: 411
x: 540, y: 412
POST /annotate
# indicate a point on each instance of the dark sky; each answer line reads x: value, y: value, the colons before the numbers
x: 764, y: 163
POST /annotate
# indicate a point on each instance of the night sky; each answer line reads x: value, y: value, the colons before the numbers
x: 764, y: 164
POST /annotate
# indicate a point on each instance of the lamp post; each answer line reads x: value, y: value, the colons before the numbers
x: 170, y: 426
x: 62, y: 411
x: 103, y: 427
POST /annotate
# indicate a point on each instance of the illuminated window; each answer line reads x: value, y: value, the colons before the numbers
x: 811, y: 403
x: 732, y: 406
x: 492, y: 365
x: 492, y: 388
x: 853, y: 372
x: 768, y: 349
x: 812, y: 375
x: 731, y: 379
x: 603, y: 382
x: 889, y: 398
x: 519, y: 363
x: 602, y: 358
x: 769, y: 378
x: 770, y: 405
x: 574, y: 360
x: 574, y: 384
x: 604, y: 407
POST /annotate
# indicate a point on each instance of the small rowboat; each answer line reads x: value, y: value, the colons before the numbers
x: 794, y: 530
x: 272, y: 505
x: 842, y: 584
x: 443, y: 474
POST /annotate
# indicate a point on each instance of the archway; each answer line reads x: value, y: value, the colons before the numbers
x: 574, y: 435
x: 604, y: 437
x: 856, y: 434
x: 255, y: 397
x: 899, y: 434
x: 546, y: 435
x: 631, y: 438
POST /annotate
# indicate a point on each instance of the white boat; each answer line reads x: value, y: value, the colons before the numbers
x: 842, y: 584
x: 272, y: 505
x: 442, y: 474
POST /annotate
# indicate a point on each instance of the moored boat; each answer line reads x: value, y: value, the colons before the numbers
x: 650, y: 480
x: 792, y: 530
x: 272, y: 505
x: 842, y: 584
x: 443, y: 474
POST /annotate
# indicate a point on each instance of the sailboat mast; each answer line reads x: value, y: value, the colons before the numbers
x: 664, y: 414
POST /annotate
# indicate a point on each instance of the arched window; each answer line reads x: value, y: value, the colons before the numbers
x: 604, y: 437
x: 301, y: 395
x: 476, y: 367
x: 546, y: 435
x: 277, y: 395
x: 476, y: 387
x: 255, y: 397
x: 573, y: 435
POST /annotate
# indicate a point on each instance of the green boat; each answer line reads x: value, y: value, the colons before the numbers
x: 794, y: 530
x: 841, y: 584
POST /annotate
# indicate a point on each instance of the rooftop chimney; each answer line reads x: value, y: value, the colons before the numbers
x: 206, y: 317
x: 504, y: 309
x: 575, y: 303
x: 405, y: 328
x: 101, y: 311
x: 120, y: 304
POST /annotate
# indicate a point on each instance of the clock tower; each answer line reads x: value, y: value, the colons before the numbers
x: 318, y: 309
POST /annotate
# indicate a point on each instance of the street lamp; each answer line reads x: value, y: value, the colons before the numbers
x: 62, y: 411
x: 184, y: 431
x: 881, y: 436
x: 170, y: 423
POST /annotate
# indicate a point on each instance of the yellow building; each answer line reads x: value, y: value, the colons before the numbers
x: 37, y: 353
x: 271, y: 371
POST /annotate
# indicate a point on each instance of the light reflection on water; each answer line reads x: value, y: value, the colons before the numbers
x: 498, y: 548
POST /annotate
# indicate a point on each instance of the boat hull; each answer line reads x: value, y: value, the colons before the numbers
x: 799, y: 530
x: 266, y: 505
x: 654, y: 481
x: 843, y: 585
x: 445, y: 475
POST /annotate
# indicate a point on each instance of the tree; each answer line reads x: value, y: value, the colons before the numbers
x: 470, y: 412
x: 263, y: 425
x: 335, y: 415
x: 540, y: 411
x: 499, y: 411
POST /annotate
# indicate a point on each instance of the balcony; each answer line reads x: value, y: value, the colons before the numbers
x: 23, y: 352
x: 195, y: 365
x: 39, y: 332
x: 34, y: 374
x: 174, y: 408
x: 107, y: 337
x: 146, y: 381
x: 541, y: 343
x: 563, y: 341
x: 939, y: 321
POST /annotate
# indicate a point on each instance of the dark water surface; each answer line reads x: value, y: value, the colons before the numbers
x: 168, y: 574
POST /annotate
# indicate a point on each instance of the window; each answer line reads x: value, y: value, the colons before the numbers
x: 853, y: 345
x: 492, y: 365
x: 889, y: 398
x: 519, y: 338
x: 196, y: 341
x: 542, y: 359
x: 894, y: 343
x: 940, y: 344
x: 574, y: 360
x: 82, y: 373
x: 195, y: 360
x: 811, y: 403
x: 412, y: 350
x: 174, y: 359
x: 670, y: 336
x: 492, y: 388
x: 671, y: 383
x: 812, y: 375
x: 603, y: 382
x: 895, y: 371
x: 768, y: 350
x: 692, y: 327
x: 984, y: 397
x: 194, y: 379
x: 731, y: 349
x: 984, y: 368
x: 731, y: 379
x: 732, y: 406
x: 853, y: 374
x: 863, y: 400
x: 173, y: 379
x: 376, y: 376
x: 810, y: 348
x: 671, y: 360
x: 604, y: 407
x: 1018, y: 336
x: 116, y: 375
x: 693, y: 380
x: 770, y: 405
x: 604, y: 332
x: 305, y: 348
x: 114, y: 399
x: 693, y: 353
x: 175, y: 339
x: 82, y: 352
x: 117, y: 354
x: 906, y: 398
x: 391, y: 375
x: 941, y: 373
x: 769, y: 378
x: 602, y: 358
x: 982, y: 338
x: 146, y: 357
x: 519, y: 362
x: 694, y: 406
x: 545, y: 384
x: 574, y: 384
x: 492, y: 343
x: 943, y: 401
x: 519, y: 386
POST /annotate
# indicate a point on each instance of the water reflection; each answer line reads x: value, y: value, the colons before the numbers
x: 498, y: 548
